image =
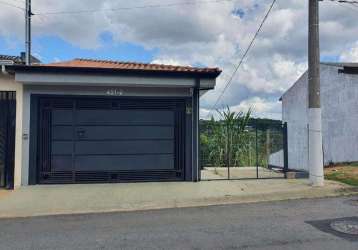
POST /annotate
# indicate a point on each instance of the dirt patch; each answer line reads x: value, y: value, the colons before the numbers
x: 346, y: 174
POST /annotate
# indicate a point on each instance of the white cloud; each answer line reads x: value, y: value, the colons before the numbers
x: 170, y: 61
x: 350, y: 55
x: 260, y: 107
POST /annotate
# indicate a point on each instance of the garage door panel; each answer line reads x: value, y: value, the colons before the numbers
x: 131, y: 117
x: 122, y: 163
x: 126, y: 132
x: 61, y: 163
x: 62, y: 132
x: 62, y: 117
x: 62, y: 147
x: 124, y: 147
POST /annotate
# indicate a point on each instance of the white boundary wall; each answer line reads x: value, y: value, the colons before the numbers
x: 277, y: 159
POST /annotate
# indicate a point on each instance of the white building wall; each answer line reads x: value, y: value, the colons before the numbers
x: 339, y: 115
x: 277, y: 159
x: 294, y: 112
x: 339, y: 102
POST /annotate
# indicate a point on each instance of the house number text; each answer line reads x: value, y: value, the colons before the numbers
x: 114, y: 92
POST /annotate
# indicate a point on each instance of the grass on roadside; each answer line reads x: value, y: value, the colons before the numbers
x: 347, y: 174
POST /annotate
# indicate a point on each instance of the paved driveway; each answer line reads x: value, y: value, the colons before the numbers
x: 272, y: 225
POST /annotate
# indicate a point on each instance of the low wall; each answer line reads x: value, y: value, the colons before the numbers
x: 277, y: 159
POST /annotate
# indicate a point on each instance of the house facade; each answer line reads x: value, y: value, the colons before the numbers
x: 339, y: 92
x: 95, y: 121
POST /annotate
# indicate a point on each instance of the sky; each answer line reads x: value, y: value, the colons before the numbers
x: 210, y: 33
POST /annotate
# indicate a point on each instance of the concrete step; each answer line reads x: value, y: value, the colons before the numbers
x: 296, y: 175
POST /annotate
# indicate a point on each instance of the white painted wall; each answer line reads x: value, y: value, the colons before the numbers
x: 7, y: 83
x: 339, y: 116
x: 277, y: 159
x: 295, y: 113
x: 339, y: 102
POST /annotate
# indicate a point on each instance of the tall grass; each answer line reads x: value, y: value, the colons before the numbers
x: 225, y: 142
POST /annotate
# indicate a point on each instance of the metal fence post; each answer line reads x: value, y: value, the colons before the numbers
x: 257, y: 152
x: 285, y: 148
x: 268, y: 139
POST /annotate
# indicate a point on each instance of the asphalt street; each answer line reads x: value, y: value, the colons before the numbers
x: 297, y: 224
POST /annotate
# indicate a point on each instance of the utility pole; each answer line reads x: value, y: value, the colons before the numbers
x: 28, y: 15
x: 315, y: 155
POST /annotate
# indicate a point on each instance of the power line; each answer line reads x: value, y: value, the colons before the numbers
x: 350, y: 6
x: 243, y: 57
x: 12, y: 5
x: 76, y: 12
x: 355, y: 4
x: 352, y: 3
x: 344, y: 1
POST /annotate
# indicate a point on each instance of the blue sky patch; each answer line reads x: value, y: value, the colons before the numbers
x: 53, y: 48
x: 330, y: 58
x: 10, y: 46
x: 239, y: 12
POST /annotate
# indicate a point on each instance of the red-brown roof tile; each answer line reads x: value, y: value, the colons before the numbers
x: 117, y: 65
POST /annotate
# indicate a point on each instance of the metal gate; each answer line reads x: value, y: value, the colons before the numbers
x: 262, y: 153
x: 96, y: 140
x: 7, y: 138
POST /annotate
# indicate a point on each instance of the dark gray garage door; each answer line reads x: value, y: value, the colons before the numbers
x: 110, y: 140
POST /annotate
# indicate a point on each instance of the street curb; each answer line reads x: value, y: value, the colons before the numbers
x: 313, y: 193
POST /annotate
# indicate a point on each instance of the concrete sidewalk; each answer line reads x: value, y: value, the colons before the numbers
x: 77, y: 199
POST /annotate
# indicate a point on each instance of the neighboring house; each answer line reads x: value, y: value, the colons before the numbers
x: 95, y: 121
x: 14, y: 60
x: 339, y: 101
